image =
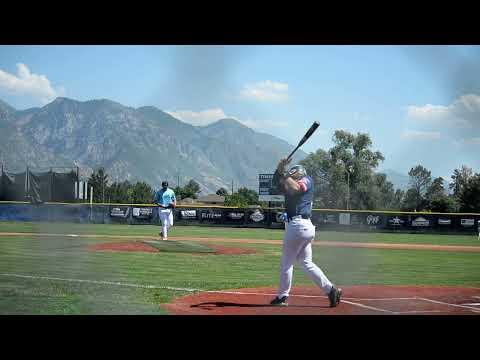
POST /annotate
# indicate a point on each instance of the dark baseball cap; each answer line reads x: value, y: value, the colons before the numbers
x: 164, y: 183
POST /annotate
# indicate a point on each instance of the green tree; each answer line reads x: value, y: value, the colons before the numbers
x: 235, y: 200
x: 353, y: 154
x: 410, y: 200
x: 99, y: 181
x: 120, y: 192
x: 420, y: 181
x: 242, y: 198
x: 398, y: 199
x: 329, y: 187
x: 222, y: 192
x: 436, y: 188
x: 250, y: 196
x: 435, y: 191
x: 383, y: 193
x: 190, y: 190
x: 179, y: 192
x: 446, y: 204
x: 437, y: 198
x: 346, y: 173
x: 460, y: 179
x: 142, y: 193
x: 469, y: 197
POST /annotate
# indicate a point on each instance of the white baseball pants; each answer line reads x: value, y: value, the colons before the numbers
x: 166, y: 217
x: 297, y: 247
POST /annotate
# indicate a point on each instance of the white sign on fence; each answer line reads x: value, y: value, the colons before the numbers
x: 344, y: 219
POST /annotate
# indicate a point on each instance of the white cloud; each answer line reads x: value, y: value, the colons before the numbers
x: 264, y: 125
x: 266, y: 91
x: 464, y: 112
x: 201, y: 118
x: 420, y: 135
x: 205, y: 117
x: 26, y: 83
x: 472, y: 141
x: 428, y: 112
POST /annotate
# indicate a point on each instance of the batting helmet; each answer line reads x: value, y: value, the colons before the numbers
x: 297, y: 170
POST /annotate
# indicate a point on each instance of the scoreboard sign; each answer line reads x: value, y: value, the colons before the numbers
x: 265, y: 189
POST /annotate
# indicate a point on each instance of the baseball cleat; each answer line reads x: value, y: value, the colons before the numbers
x: 279, y: 301
x: 334, y: 296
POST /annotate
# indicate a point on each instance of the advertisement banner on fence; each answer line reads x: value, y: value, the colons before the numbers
x: 234, y: 217
x: 119, y: 211
x: 373, y: 220
x: 188, y: 214
x: 211, y: 215
x: 421, y: 222
x: 396, y: 221
x: 319, y: 218
x: 142, y: 213
x: 467, y: 222
x: 355, y: 219
x: 256, y: 217
x: 444, y: 222
x: 344, y: 219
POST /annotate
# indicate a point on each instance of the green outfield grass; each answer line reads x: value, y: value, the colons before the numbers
x: 67, y: 258
x: 236, y: 233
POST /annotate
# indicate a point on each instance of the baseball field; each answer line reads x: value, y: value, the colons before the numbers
x: 50, y: 268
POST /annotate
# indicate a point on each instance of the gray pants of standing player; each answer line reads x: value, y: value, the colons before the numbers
x: 297, y: 247
x: 166, y: 218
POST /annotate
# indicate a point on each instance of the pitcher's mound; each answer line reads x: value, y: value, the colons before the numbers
x: 171, y: 246
x: 122, y: 246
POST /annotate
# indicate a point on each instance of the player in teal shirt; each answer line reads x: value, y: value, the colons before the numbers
x: 166, y: 201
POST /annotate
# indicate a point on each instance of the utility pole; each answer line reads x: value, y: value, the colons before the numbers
x: 232, y: 186
x: 349, y: 170
x: 348, y: 190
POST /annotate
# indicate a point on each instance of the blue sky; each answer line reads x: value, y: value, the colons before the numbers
x: 420, y: 104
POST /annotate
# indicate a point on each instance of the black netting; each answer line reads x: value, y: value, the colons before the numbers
x: 38, y: 187
x: 64, y: 187
x: 33, y: 188
x: 43, y: 185
x: 13, y: 187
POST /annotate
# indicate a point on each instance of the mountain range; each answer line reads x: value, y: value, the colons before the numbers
x: 136, y: 144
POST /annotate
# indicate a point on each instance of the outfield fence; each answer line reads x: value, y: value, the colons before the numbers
x: 323, y: 219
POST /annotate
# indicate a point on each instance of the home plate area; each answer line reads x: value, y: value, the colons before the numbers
x: 356, y: 300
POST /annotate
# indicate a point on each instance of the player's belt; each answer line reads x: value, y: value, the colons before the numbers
x: 299, y: 217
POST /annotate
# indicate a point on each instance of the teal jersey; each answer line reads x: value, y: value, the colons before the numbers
x: 164, y: 197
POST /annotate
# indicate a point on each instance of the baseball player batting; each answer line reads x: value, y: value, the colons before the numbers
x: 300, y: 232
x: 166, y: 201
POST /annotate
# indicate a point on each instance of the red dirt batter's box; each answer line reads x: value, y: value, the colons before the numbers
x: 357, y: 300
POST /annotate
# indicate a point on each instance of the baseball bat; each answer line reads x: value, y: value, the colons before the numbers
x: 307, y: 135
